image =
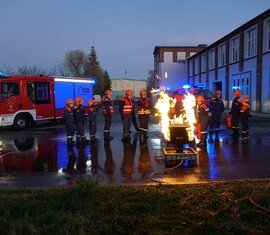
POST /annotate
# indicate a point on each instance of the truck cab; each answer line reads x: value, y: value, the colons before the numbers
x: 24, y: 100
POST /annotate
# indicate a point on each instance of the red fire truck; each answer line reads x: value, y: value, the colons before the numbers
x: 25, y: 100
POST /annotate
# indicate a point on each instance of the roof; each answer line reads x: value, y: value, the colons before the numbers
x: 158, y: 48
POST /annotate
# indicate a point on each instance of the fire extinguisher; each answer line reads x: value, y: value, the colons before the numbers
x: 228, y: 120
x: 198, y: 128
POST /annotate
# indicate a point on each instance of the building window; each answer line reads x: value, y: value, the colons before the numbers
x: 190, y: 68
x: 267, y: 31
x: 203, y: 63
x: 181, y: 55
x: 235, y: 49
x: 221, y: 55
x: 211, y: 59
x: 251, y: 42
x: 197, y: 65
x: 168, y: 57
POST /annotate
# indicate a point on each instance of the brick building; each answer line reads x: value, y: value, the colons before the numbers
x: 170, y: 65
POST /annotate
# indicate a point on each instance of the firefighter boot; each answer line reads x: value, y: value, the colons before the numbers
x: 202, y: 141
x: 126, y: 138
x: 93, y: 139
x: 110, y: 137
x: 84, y: 141
x: 107, y: 136
x: 70, y: 143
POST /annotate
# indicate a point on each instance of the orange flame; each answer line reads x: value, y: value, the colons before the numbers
x: 188, y: 119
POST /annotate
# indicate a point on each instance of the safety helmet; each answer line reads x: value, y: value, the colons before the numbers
x: 97, y: 98
x: 90, y: 102
x: 108, y: 92
x: 218, y: 92
x: 200, y: 98
x: 78, y: 99
x: 69, y: 101
x: 246, y: 99
x: 237, y: 92
x: 128, y: 92
x: 143, y: 92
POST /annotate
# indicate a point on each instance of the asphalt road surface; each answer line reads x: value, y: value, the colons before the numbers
x: 39, y: 157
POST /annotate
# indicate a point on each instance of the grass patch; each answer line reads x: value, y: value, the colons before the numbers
x: 215, y: 208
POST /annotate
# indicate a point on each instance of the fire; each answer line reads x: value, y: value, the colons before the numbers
x: 189, y: 103
x: 165, y: 103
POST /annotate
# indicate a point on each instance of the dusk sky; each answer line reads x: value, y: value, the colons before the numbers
x: 123, y: 32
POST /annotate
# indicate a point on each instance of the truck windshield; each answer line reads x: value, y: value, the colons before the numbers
x: 10, y: 89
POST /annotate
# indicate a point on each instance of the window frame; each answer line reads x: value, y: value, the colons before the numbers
x: 6, y: 94
x: 190, y: 65
x: 203, y: 62
x: 251, y: 42
x: 222, y: 54
x: 197, y: 65
x: 211, y: 61
x: 234, y: 48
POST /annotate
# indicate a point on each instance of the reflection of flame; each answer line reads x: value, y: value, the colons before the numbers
x: 188, y: 119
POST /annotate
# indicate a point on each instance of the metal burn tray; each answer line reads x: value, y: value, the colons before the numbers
x: 172, y: 153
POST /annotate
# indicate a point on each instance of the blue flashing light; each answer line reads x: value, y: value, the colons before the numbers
x: 2, y: 74
x: 168, y: 88
x: 236, y: 87
x: 200, y: 85
x: 186, y: 86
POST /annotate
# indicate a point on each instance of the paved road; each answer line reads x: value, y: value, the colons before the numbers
x: 39, y: 158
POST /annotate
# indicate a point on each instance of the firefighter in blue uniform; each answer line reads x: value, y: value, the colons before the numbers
x: 216, y: 109
x: 202, y: 119
x: 144, y: 113
x: 126, y: 109
x: 235, y: 112
x: 244, y: 117
x: 68, y: 120
x: 107, y: 111
x: 79, y: 118
x: 92, y: 115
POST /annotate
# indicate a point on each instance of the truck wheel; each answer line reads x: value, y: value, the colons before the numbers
x: 20, y: 122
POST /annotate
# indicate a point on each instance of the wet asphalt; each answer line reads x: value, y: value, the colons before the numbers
x: 40, y: 158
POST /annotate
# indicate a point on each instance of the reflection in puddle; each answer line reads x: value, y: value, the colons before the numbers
x: 116, y: 162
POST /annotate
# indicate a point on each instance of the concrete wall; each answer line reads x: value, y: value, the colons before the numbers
x: 119, y: 86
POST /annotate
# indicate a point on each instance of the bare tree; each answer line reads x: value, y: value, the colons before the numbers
x: 34, y: 70
x: 75, y: 63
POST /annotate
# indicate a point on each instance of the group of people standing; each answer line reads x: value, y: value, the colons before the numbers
x: 74, y: 118
x: 211, y: 115
x: 207, y: 116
